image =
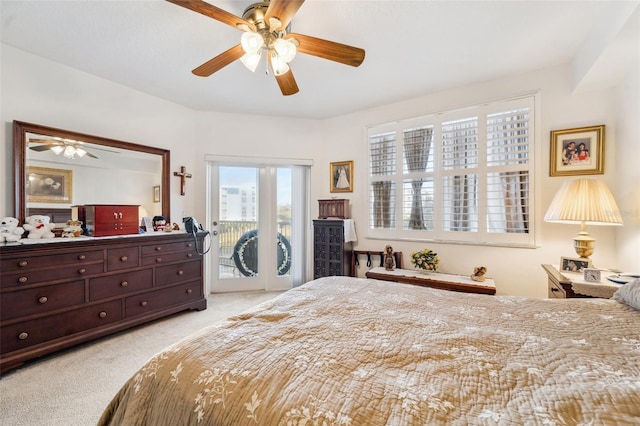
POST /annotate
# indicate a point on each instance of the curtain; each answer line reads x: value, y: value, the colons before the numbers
x: 516, y: 189
x: 417, y: 147
x: 382, y: 204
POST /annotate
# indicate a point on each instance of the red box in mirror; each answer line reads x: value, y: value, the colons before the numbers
x: 111, y: 219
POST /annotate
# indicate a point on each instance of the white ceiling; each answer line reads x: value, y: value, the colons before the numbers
x: 412, y: 47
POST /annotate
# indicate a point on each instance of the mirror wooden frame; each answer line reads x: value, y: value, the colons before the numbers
x: 20, y: 146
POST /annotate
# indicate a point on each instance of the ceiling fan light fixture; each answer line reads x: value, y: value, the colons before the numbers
x: 279, y: 66
x: 69, y: 151
x: 57, y: 149
x: 286, y: 49
x: 251, y: 42
x: 251, y: 60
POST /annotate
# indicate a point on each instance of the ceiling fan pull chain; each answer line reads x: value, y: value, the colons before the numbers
x: 266, y: 66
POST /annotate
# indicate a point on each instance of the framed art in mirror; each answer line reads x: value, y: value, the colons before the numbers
x: 48, y: 185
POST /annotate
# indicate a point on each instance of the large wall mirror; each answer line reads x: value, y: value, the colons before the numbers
x: 57, y: 169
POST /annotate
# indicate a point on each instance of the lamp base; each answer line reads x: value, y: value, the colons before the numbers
x: 584, y: 245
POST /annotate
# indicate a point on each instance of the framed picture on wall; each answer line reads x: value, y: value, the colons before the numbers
x: 341, y: 176
x: 156, y: 194
x: 47, y: 185
x: 578, y: 151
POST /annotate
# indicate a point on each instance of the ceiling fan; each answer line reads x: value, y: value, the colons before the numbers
x: 266, y: 27
x: 66, y: 147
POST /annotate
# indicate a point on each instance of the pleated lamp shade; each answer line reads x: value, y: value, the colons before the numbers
x: 584, y: 201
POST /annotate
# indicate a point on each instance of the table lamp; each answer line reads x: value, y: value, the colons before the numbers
x: 584, y: 201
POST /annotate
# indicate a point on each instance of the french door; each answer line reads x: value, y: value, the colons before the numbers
x: 257, y: 221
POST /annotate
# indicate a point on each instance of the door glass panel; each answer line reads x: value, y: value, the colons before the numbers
x: 238, y: 222
x: 283, y: 217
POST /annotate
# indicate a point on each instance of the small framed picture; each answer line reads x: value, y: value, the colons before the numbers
x: 578, y: 151
x: 156, y: 194
x: 341, y: 176
x: 572, y: 264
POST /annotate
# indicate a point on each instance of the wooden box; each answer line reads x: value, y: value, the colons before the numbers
x: 337, y: 208
x: 111, y: 219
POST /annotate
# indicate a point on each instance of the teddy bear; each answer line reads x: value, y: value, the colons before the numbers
x: 73, y: 229
x: 9, y: 230
x: 39, y: 227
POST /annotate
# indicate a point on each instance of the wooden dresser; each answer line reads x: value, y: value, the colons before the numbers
x: 331, y: 252
x: 59, y: 294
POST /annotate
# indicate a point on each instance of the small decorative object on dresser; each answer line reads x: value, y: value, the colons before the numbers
x: 591, y: 275
x: 478, y: 273
x: 9, y: 230
x: 334, y: 208
x: 425, y: 259
x: 389, y: 260
x: 39, y: 226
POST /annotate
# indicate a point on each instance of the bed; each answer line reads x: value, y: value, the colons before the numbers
x: 354, y: 351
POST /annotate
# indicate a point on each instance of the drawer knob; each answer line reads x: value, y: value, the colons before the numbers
x: 23, y: 280
x: 189, y: 245
x: 82, y: 257
x: 180, y: 272
x: 189, y: 291
x: 158, y: 259
x: 554, y: 289
x: 189, y: 254
x: 102, y: 314
x: 23, y: 335
x: 124, y: 283
x: 43, y: 299
x: 82, y: 271
x: 23, y: 263
x: 143, y: 303
x: 123, y: 258
x: 158, y: 248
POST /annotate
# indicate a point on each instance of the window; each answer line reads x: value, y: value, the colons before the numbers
x: 462, y: 175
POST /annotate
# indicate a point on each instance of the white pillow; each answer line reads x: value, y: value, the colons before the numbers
x: 629, y: 293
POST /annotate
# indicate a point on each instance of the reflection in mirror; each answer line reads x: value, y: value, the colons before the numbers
x: 57, y: 169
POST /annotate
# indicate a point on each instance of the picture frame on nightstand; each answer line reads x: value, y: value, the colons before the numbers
x: 574, y: 264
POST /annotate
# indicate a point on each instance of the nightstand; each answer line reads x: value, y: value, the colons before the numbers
x: 568, y: 285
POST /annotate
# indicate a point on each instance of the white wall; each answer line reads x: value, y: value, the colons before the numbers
x: 515, y: 270
x: 40, y: 91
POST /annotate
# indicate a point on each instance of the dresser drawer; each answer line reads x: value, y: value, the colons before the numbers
x: 160, y: 258
x: 51, y: 274
x: 123, y: 258
x: 28, y: 333
x: 556, y: 291
x: 41, y: 300
x: 171, y: 274
x: 156, y: 249
x: 160, y: 299
x: 117, y: 285
x: 28, y: 263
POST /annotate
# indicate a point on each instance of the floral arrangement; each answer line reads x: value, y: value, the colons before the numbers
x: 425, y: 259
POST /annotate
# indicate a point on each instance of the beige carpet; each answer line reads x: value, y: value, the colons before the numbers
x: 74, y: 386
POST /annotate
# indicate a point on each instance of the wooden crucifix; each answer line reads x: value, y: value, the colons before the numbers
x: 183, y: 178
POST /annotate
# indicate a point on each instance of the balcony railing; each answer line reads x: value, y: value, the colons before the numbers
x: 230, y: 231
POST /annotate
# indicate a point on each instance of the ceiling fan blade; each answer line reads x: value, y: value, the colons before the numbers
x: 88, y: 154
x: 214, y: 12
x: 283, y: 10
x: 41, y: 148
x: 330, y: 50
x: 287, y: 83
x: 219, y: 62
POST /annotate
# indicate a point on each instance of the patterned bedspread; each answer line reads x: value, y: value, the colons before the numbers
x: 351, y: 351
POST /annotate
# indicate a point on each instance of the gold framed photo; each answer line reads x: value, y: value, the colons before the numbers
x: 46, y: 185
x: 341, y: 176
x: 574, y: 264
x: 578, y: 151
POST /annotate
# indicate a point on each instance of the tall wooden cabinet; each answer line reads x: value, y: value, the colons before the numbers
x: 331, y: 251
x: 59, y: 294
